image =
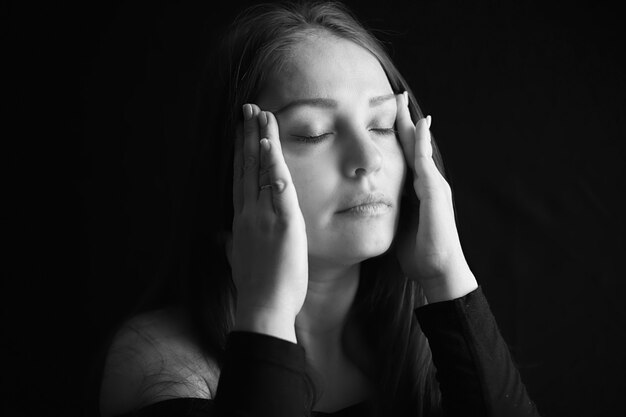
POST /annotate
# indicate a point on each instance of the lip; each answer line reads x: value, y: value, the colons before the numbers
x: 371, y: 209
x: 368, y: 204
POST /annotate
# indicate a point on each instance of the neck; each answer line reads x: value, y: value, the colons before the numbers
x: 331, y: 291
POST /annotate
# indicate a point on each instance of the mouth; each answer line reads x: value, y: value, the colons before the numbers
x: 369, y: 204
x: 370, y: 209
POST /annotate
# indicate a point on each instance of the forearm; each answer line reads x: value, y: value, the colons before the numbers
x: 454, y: 284
x: 267, y: 321
x: 261, y: 376
x: 475, y: 370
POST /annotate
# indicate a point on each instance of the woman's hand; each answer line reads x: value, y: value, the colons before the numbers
x: 269, y: 256
x: 429, y: 249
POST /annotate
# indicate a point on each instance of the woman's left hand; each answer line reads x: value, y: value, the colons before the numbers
x: 429, y: 249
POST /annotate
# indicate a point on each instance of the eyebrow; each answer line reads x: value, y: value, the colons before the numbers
x: 330, y: 103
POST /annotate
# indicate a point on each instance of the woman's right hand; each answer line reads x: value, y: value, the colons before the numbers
x: 268, y: 255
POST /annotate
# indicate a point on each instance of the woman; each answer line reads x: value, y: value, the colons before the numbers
x: 305, y: 291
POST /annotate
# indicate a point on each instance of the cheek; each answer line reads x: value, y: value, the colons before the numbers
x: 313, y: 177
x: 395, y: 162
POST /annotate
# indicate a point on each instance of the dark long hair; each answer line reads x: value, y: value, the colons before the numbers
x: 200, y: 279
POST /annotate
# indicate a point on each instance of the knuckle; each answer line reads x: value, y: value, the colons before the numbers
x: 285, y: 222
x: 268, y: 164
x: 264, y: 171
x: 247, y: 216
x: 237, y: 173
x: 282, y: 221
x: 249, y: 163
x: 249, y: 129
x: 265, y: 223
x: 250, y: 126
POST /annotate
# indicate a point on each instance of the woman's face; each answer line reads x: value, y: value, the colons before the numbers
x: 336, y: 113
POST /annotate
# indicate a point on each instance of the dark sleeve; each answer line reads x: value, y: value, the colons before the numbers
x: 262, y: 376
x: 476, y: 374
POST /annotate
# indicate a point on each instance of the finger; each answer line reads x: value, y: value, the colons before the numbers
x: 250, y: 154
x: 405, y: 128
x: 265, y: 190
x: 283, y: 192
x: 238, y: 170
x: 424, y: 163
x: 264, y: 178
x: 423, y: 143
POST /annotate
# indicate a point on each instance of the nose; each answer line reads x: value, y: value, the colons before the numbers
x: 362, y: 155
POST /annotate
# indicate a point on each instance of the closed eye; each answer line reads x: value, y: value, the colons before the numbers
x: 384, y: 131
x: 312, y: 139
x: 319, y: 138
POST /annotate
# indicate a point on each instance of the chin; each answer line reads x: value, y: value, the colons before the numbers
x: 353, y: 248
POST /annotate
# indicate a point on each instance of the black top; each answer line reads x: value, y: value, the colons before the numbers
x: 264, y: 376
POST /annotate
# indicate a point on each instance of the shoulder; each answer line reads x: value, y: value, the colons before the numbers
x: 152, y: 358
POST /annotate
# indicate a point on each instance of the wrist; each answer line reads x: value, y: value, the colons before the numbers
x: 450, y: 286
x: 268, y: 321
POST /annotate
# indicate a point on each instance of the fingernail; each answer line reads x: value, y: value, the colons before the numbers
x: 265, y: 144
x: 406, y: 98
x: 263, y: 119
x: 429, y: 120
x: 278, y: 186
x: 247, y: 112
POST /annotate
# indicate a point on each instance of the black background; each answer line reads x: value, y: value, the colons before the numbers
x: 528, y: 106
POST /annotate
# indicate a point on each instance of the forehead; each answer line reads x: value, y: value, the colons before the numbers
x: 325, y: 66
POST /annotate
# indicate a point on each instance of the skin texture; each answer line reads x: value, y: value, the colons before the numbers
x: 358, y: 154
x: 331, y: 113
x: 355, y: 153
x: 353, y: 160
x: 320, y: 138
